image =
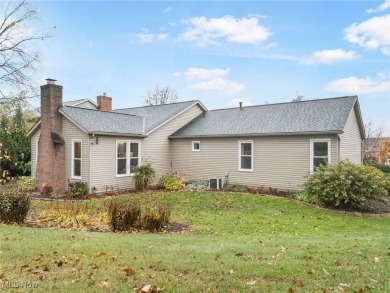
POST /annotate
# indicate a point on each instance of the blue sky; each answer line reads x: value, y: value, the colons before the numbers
x: 220, y: 52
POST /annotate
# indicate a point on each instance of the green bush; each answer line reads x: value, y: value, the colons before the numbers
x: 26, y: 184
x: 144, y: 175
x: 155, y: 218
x: 124, y: 215
x: 173, y: 181
x: 77, y: 189
x: 346, y: 185
x: 383, y: 168
x: 14, y: 205
x: 305, y: 197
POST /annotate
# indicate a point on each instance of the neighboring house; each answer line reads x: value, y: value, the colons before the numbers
x: 275, y: 145
x: 81, y: 103
x: 376, y: 150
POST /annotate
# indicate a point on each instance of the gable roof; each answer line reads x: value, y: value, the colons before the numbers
x: 304, y: 117
x: 104, y: 122
x: 78, y: 102
x: 156, y: 115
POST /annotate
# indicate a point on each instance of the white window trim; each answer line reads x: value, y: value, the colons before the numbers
x: 193, y: 143
x: 239, y: 155
x: 81, y: 159
x: 312, y: 141
x: 128, y: 142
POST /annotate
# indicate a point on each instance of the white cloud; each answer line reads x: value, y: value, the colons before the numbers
x: 176, y: 74
x: 162, y: 36
x: 166, y: 10
x: 236, y: 102
x: 269, y: 46
x: 371, y: 34
x: 355, y: 85
x: 204, y: 73
x: 380, y: 8
x: 329, y: 57
x: 228, y: 28
x: 145, y: 37
x: 220, y: 85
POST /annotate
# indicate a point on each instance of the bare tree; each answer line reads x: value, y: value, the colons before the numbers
x: 160, y: 96
x: 374, y: 134
x: 17, y: 61
x: 299, y: 98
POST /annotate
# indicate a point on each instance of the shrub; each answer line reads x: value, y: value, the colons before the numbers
x: 346, y: 185
x: 124, y: 215
x: 383, y: 168
x: 155, y: 218
x: 26, y: 184
x: 77, y: 189
x: 305, y: 197
x: 237, y: 187
x: 14, y: 205
x: 173, y: 181
x: 144, y: 175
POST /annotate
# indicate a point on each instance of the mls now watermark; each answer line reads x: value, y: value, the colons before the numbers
x: 18, y: 285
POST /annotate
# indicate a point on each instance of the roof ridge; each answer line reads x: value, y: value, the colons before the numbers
x: 101, y: 111
x: 149, y: 106
x: 282, y: 103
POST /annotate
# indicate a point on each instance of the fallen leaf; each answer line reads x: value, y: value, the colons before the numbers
x: 360, y: 290
x: 283, y: 249
x: 145, y: 289
x: 338, y: 263
x: 251, y: 283
x: 301, y: 282
x: 310, y: 272
x: 129, y: 272
x: 377, y: 259
x: 344, y: 285
x: 59, y: 263
x: 103, y: 284
x: 239, y: 254
x: 290, y: 290
x: 101, y: 254
x: 231, y: 272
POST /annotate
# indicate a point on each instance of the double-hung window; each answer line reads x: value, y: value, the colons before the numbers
x: 319, y: 153
x: 128, y: 156
x: 245, y: 155
x: 76, y: 159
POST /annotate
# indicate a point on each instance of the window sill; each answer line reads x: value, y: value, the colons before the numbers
x: 245, y: 170
x: 77, y: 178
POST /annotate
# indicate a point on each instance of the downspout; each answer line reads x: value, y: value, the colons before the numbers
x: 90, y: 163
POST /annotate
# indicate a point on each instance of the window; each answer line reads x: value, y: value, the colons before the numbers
x: 245, y: 155
x: 319, y: 153
x: 196, y: 146
x: 76, y: 159
x: 128, y: 157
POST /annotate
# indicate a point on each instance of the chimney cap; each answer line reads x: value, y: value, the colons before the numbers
x: 51, y: 81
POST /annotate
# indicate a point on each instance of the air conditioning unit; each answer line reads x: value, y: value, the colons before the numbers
x: 215, y: 183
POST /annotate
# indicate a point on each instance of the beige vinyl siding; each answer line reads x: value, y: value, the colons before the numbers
x: 34, y: 153
x: 156, y: 148
x: 279, y: 162
x: 87, y: 105
x: 71, y: 131
x: 350, y: 140
x: 103, y: 164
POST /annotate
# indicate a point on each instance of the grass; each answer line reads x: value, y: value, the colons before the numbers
x: 238, y: 243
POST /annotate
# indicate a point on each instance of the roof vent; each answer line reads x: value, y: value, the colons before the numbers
x: 240, y: 105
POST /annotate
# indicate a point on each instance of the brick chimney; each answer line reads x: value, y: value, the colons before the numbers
x: 104, y: 103
x: 51, y: 148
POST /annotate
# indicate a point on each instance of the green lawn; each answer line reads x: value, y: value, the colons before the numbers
x: 237, y: 243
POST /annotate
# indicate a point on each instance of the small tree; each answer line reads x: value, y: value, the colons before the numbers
x: 374, y: 135
x: 143, y: 175
x: 384, y: 150
x: 160, y: 96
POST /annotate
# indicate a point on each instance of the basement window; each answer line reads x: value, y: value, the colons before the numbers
x: 76, y: 159
x: 196, y: 146
x: 128, y: 156
x: 319, y: 153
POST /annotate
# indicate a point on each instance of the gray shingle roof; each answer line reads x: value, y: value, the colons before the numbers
x: 312, y: 116
x: 95, y: 121
x: 155, y: 115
